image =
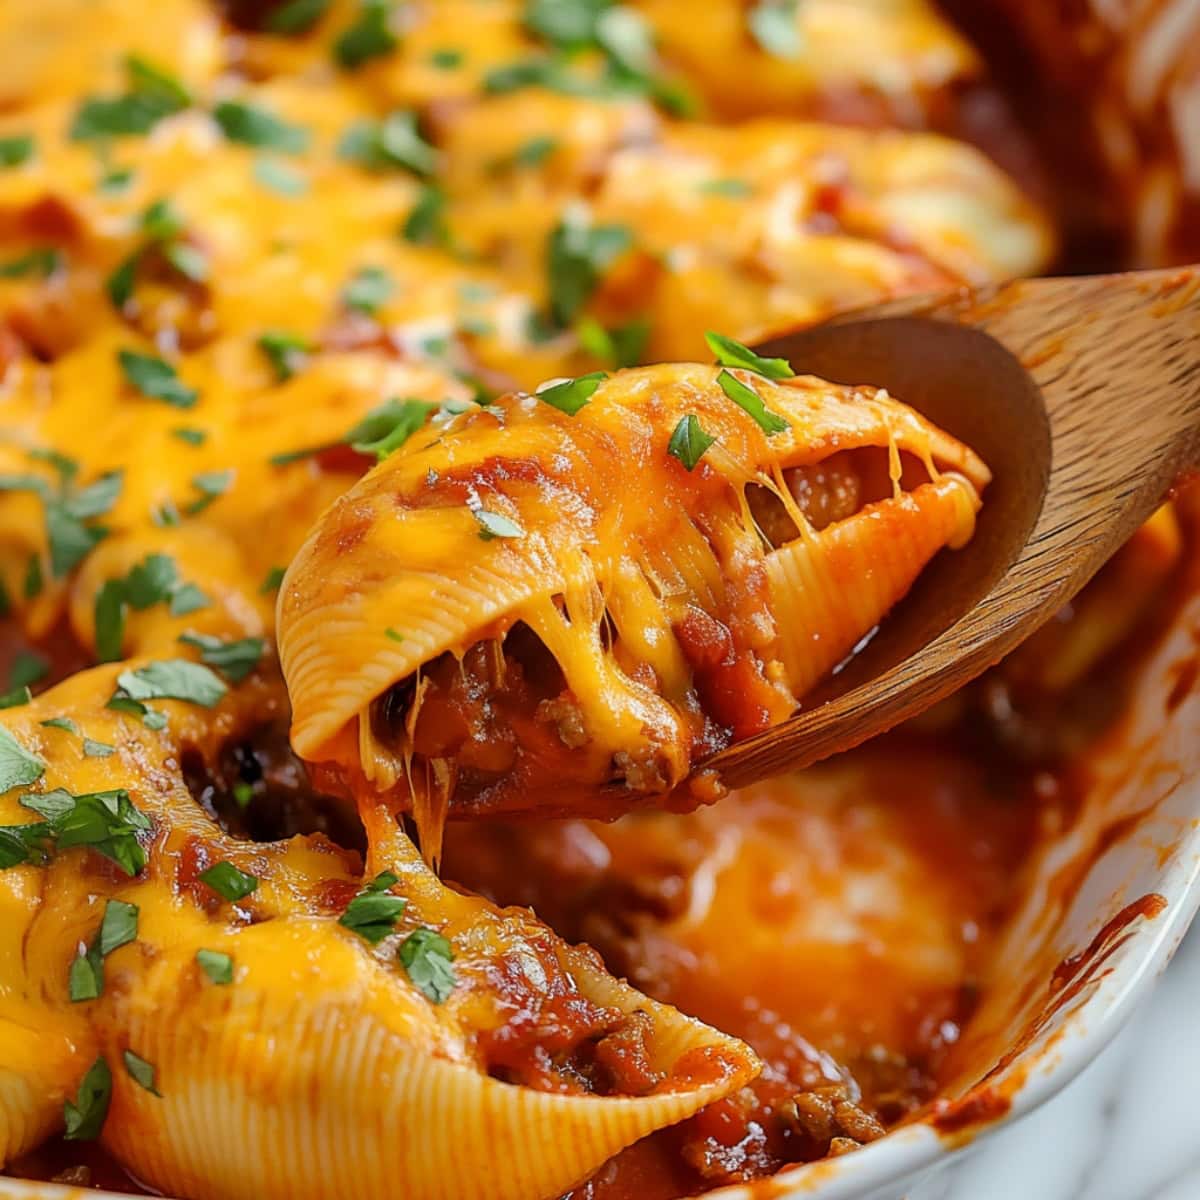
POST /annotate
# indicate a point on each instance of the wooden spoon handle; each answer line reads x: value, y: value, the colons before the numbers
x: 1117, y: 360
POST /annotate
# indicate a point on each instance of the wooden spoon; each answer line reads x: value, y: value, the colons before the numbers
x: 1082, y: 395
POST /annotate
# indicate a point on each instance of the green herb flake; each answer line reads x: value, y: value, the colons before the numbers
x: 151, y: 95
x: 15, y: 697
x: 94, y: 749
x: 395, y: 142
x: 689, y: 441
x: 622, y: 345
x: 113, y: 182
x: 84, y: 1119
x: 373, y: 913
x: 746, y: 398
x: 106, y: 822
x: 369, y: 37
x: 210, y: 485
x: 253, y: 126
x: 27, y: 668
x: 272, y: 580
x: 733, y: 188
x: 428, y: 958
x: 576, y: 258
x: 16, y: 150
x: 243, y: 793
x: 733, y: 354
x: 495, y: 525
x: 279, y: 178
x: 447, y: 59
x: 368, y: 290
x: 216, y: 965
x: 193, y: 437
x: 118, y: 926
x: 172, y: 679
x: 393, y: 635
x: 773, y: 26
x: 42, y: 261
x: 425, y: 224
x: 60, y: 723
x: 34, y: 581
x: 228, y: 882
x: 18, y: 767
x: 85, y: 977
x: 297, y: 16
x: 187, y: 599
x: 235, y: 659
x: 140, y: 1071
x: 286, y: 352
x: 571, y: 395
x: 155, y: 378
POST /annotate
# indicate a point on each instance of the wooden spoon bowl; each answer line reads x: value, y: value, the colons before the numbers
x: 1082, y: 395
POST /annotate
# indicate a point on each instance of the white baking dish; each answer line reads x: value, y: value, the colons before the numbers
x: 1137, y: 836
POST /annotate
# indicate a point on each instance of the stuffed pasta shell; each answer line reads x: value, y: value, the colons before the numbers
x: 235, y: 1019
x: 583, y: 591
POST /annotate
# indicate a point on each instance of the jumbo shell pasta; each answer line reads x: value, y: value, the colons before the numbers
x: 527, y: 599
x: 317, y: 1056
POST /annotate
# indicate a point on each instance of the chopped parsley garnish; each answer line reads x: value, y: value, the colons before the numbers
x: 393, y: 634
x: 16, y: 150
x: 297, y: 16
x: 243, y: 793
x: 622, y: 346
x: 279, y: 178
x: 577, y: 255
x: 94, y: 749
x: 736, y: 188
x: 210, y: 485
x: 27, y: 668
x: 750, y: 401
x: 164, y: 230
x: 193, y: 437
x: 106, y: 822
x: 428, y: 958
x: 155, y: 378
x: 228, y: 882
x: 115, y: 180
x: 18, y: 767
x: 60, y: 723
x: 253, y: 126
x: 172, y: 679
x: 33, y: 577
x: 152, y: 581
x: 84, y: 1118
x: 447, y: 59
x: 495, y: 525
x: 44, y: 261
x: 272, y: 580
x: 368, y: 290
x: 381, y: 431
x: 425, y: 224
x: 394, y: 142
x: 235, y: 659
x: 689, y: 441
x: 733, y: 354
x: 373, y: 913
x: 369, y: 37
x: 216, y: 965
x: 151, y: 95
x: 773, y: 24
x: 285, y: 352
x: 571, y: 395
x: 15, y: 697
x: 66, y: 509
x: 140, y: 1071
x: 118, y: 927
